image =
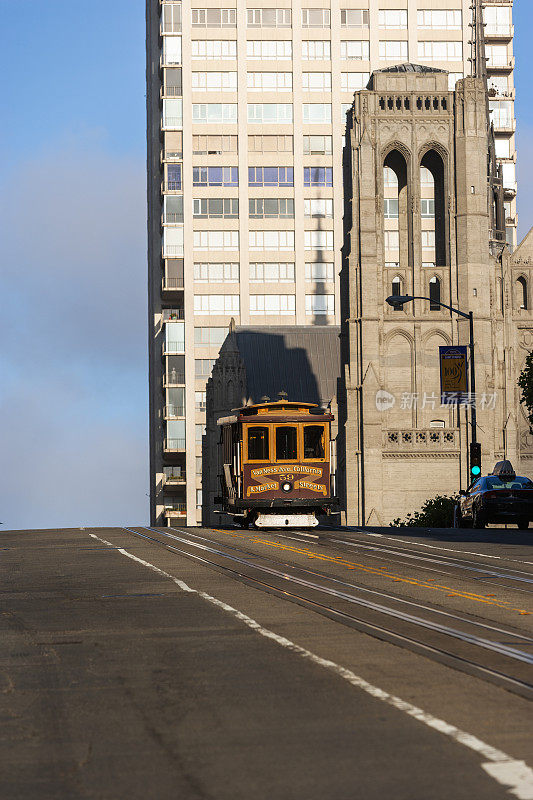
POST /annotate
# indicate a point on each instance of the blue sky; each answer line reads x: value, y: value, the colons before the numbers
x: 73, y: 363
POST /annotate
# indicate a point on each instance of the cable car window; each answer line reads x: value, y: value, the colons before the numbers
x: 258, y: 444
x: 286, y: 443
x: 314, y: 441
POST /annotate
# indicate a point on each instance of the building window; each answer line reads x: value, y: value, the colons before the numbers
x: 210, y: 113
x: 428, y: 240
x: 213, y: 145
x: 215, y: 176
x: 440, y: 19
x: 271, y: 240
x: 275, y: 272
x: 199, y: 500
x: 392, y: 50
x: 199, y: 465
x: 200, y: 432
x: 318, y: 176
x: 215, y: 207
x: 390, y: 208
x: 268, y: 17
x: 210, y: 337
x: 396, y: 291
x: 172, y: 113
x: 319, y: 272
x: 440, y: 51
x: 213, y: 50
x: 392, y: 240
x: 216, y: 240
x: 269, y: 143
x: 426, y: 177
x: 200, y: 401
x: 315, y: 50
x: 269, y: 113
x: 269, y: 81
x: 171, y: 18
x: 501, y: 113
x: 214, y: 81
x: 354, y: 81
x: 453, y: 77
x: 497, y: 20
x: 354, y: 18
x: 173, y: 209
x: 216, y: 272
x: 357, y: 50
x: 434, y: 294
x: 316, y: 81
x: 171, y: 50
x: 172, y: 84
x: 172, y: 242
x: 320, y: 305
x: 318, y: 207
x: 317, y: 145
x: 214, y: 17
x: 216, y: 304
x: 317, y: 113
x: 427, y: 208
x: 393, y: 18
x: 316, y: 18
x: 318, y: 240
x: 173, y: 181
x: 270, y: 176
x: 275, y: 304
x: 268, y: 51
x: 521, y: 293
x: 271, y: 207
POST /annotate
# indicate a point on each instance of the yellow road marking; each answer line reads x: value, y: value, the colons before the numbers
x: 422, y: 583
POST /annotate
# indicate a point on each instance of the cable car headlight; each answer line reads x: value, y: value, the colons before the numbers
x: 286, y: 486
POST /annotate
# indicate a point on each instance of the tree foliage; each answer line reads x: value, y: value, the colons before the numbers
x: 525, y: 383
x: 437, y: 512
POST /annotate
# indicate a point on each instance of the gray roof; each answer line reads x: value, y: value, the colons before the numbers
x: 410, y: 68
x: 302, y: 360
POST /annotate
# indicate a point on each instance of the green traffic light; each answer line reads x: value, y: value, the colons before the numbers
x: 476, y: 470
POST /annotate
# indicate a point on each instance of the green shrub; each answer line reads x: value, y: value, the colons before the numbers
x: 437, y: 512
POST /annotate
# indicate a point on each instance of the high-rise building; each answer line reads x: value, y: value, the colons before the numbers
x: 246, y: 122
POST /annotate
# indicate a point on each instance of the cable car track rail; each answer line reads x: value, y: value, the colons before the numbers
x: 242, y: 567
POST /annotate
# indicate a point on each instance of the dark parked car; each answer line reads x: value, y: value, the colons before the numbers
x: 502, y: 497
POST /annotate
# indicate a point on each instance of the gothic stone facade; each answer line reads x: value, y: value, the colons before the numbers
x: 417, y: 148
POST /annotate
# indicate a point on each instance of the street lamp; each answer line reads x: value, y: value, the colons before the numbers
x: 399, y: 300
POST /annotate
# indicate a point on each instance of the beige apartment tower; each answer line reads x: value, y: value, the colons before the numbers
x: 246, y: 128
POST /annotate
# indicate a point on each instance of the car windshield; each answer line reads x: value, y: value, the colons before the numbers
x: 493, y: 482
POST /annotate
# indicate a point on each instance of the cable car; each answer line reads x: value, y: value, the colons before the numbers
x: 275, y: 462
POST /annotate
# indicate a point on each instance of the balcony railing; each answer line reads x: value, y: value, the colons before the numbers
x: 173, y: 314
x: 173, y: 411
x: 173, y: 251
x: 174, y: 445
x: 178, y: 477
x: 173, y: 348
x: 499, y: 31
x: 500, y: 62
x: 172, y: 155
x: 172, y: 218
x: 171, y: 91
x: 174, y: 378
x: 172, y: 186
x: 170, y: 284
x: 177, y: 510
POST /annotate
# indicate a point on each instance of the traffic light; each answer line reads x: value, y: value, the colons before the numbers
x: 475, y: 459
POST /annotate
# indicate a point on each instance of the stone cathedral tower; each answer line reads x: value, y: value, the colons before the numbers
x: 423, y: 217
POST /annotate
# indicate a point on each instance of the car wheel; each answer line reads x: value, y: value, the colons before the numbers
x: 523, y: 523
x: 477, y: 519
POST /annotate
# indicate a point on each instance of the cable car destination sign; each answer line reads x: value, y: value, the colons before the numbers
x: 453, y: 374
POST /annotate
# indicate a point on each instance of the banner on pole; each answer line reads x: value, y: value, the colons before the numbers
x: 453, y: 374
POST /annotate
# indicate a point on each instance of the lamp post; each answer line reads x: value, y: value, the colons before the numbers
x: 399, y: 300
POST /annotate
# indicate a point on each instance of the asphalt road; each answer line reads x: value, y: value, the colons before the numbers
x: 358, y: 666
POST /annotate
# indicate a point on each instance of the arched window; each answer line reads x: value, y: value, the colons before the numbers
x: 521, y: 293
x: 433, y: 208
x: 395, y: 208
x: 434, y: 294
x: 396, y: 290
